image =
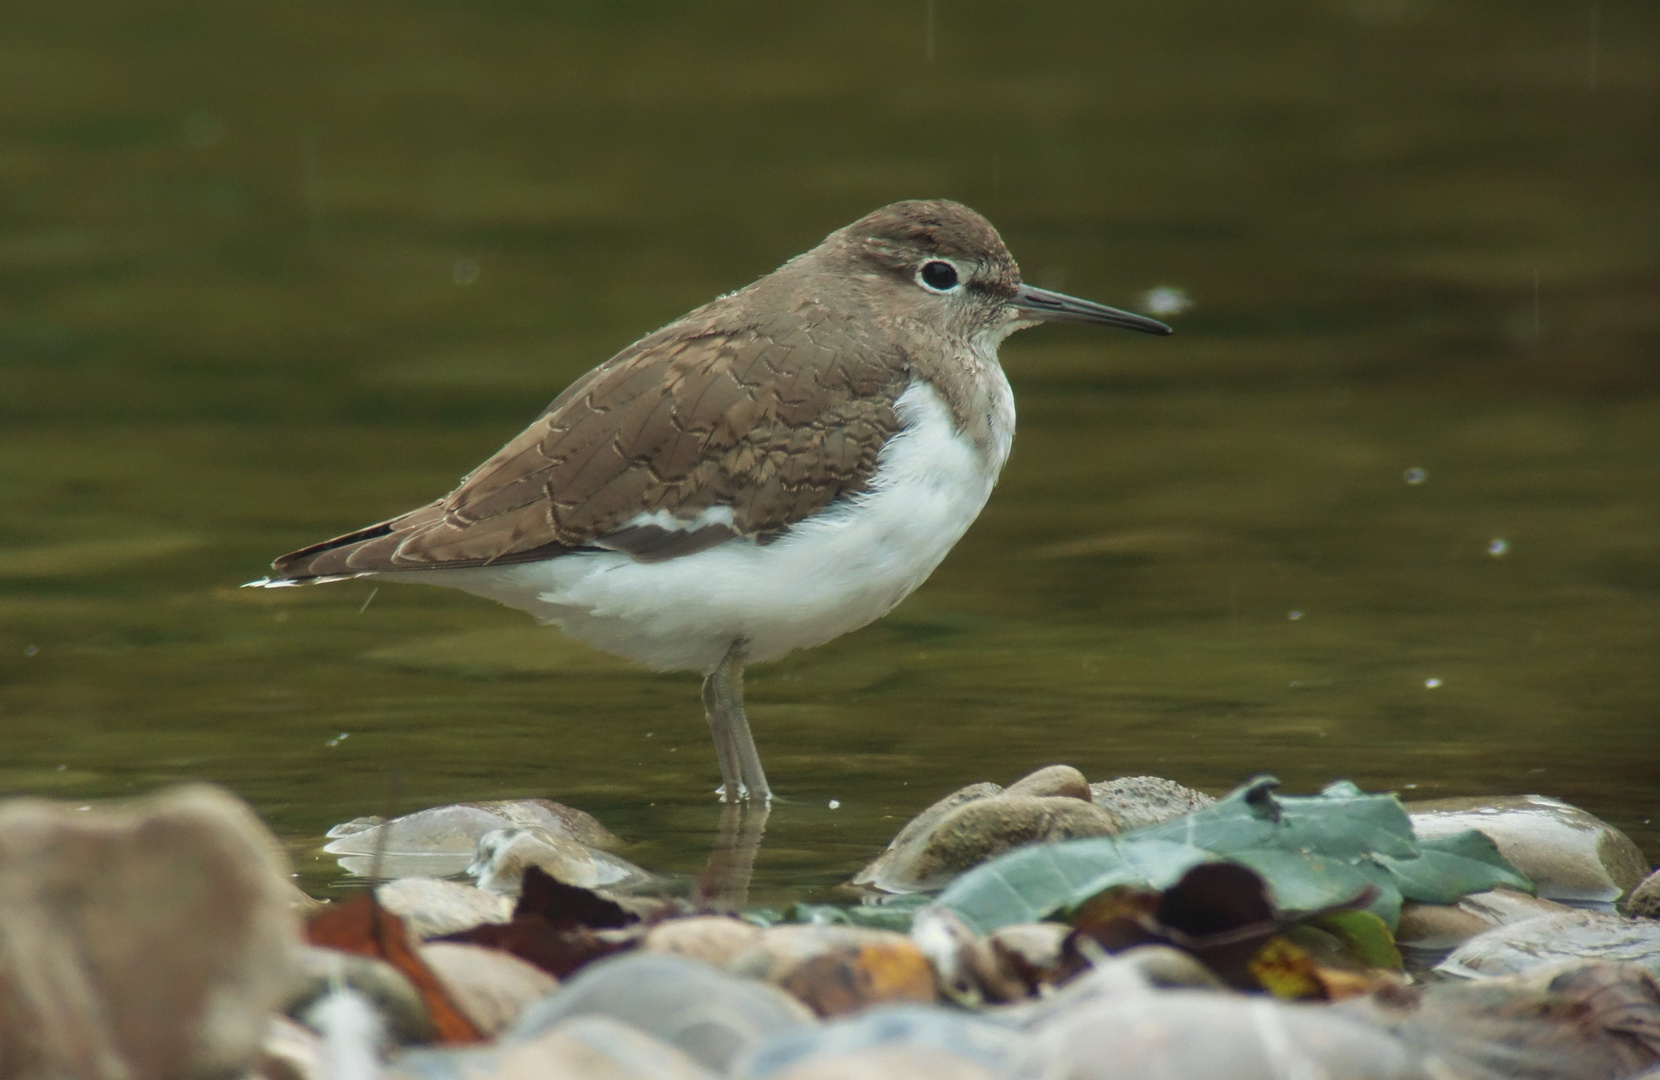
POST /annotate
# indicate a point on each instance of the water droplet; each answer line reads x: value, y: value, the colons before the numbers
x: 1431, y: 684
x: 465, y: 271
x: 1409, y: 786
x: 1166, y: 300
x: 338, y: 739
x: 1293, y: 615
x: 30, y: 650
x: 1498, y: 547
x: 1415, y: 476
x: 835, y: 804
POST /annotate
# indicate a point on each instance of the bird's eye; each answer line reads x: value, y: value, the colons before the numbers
x: 938, y: 275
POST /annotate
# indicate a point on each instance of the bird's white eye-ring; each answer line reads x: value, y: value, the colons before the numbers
x: 937, y: 275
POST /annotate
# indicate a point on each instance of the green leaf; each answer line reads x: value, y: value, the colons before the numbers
x: 1447, y: 867
x: 1340, y: 822
x: 1365, y: 935
x: 895, y: 914
x: 1299, y: 881
x: 1034, y: 883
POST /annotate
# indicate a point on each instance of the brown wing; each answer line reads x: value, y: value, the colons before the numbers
x: 713, y: 411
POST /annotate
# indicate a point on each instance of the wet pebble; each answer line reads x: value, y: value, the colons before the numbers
x: 434, y: 907
x: 1140, y: 801
x: 711, y: 1015
x: 1568, y: 854
x: 443, y: 840
x: 1644, y: 901
x: 975, y: 823
x: 503, y: 855
x: 490, y: 987
x: 1546, y: 940
x: 142, y: 939
x: 713, y: 939
x: 836, y: 970
x: 1441, y: 927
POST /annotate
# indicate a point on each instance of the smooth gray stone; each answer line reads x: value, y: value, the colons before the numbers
x: 1183, y: 1033
x: 711, y: 1015
x: 997, y: 1047
x: 1568, y: 854
x: 149, y: 939
x: 1547, y: 940
x: 504, y: 855
x: 442, y: 840
x: 1141, y: 801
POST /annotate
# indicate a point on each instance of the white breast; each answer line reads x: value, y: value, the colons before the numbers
x: 827, y: 575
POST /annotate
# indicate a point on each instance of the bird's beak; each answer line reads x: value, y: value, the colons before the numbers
x: 1045, y: 306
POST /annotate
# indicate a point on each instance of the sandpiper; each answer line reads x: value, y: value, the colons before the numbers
x: 773, y: 470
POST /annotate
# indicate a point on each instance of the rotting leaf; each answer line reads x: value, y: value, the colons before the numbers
x: 1286, y: 970
x: 362, y: 927
x: 554, y: 926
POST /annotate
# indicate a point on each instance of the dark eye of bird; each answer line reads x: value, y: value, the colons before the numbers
x: 939, y: 275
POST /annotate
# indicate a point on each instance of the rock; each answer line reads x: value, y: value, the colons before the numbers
x: 1140, y: 801
x: 1567, y: 853
x: 1143, y: 969
x: 714, y: 939
x: 503, y: 855
x: 581, y: 1048
x: 1439, y: 927
x: 1547, y: 940
x: 489, y: 986
x: 1644, y: 901
x: 433, y: 907
x: 1058, y: 780
x: 443, y: 840
x: 836, y: 970
x: 888, y: 1063
x: 978, y: 822
x: 1184, y: 1033
x: 942, y: 1037
x: 1591, y: 1021
x: 711, y: 1015
x: 391, y: 994
x: 290, y: 1052
x: 149, y: 938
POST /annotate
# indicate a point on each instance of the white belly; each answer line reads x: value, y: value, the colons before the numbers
x: 830, y: 574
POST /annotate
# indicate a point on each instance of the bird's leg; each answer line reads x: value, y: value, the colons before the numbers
x: 715, y: 710
x: 723, y: 701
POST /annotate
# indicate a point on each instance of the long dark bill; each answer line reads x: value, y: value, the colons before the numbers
x: 1059, y: 307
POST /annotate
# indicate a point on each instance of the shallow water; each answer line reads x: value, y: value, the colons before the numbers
x: 1387, y: 507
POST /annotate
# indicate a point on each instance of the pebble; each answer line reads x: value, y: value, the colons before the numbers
x: 442, y: 840
x: 1185, y: 1033
x: 713, y: 939
x: 1644, y: 901
x: 1568, y: 854
x: 975, y: 823
x: 1140, y: 801
x: 581, y: 1048
x: 837, y: 970
x: 1534, y: 944
x: 931, y: 1030
x: 503, y: 855
x: 888, y: 1063
x: 391, y: 994
x: 1440, y: 927
x: 711, y: 1015
x: 434, y: 907
x: 140, y: 940
x: 491, y: 987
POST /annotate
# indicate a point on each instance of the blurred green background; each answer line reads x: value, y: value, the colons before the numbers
x: 272, y: 272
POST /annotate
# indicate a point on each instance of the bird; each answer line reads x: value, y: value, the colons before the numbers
x: 774, y: 469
